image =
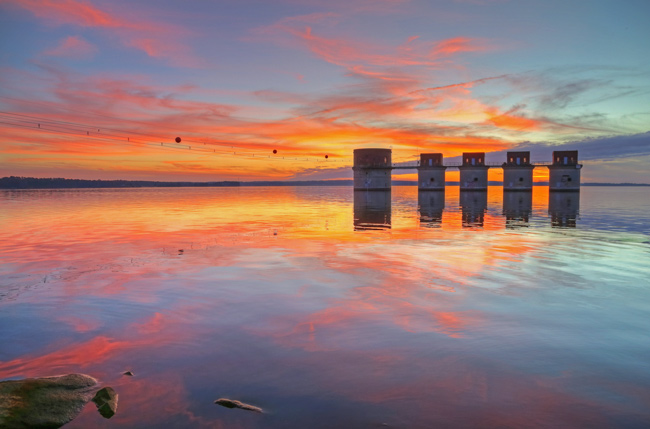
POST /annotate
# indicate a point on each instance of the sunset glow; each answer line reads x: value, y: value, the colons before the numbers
x: 90, y: 89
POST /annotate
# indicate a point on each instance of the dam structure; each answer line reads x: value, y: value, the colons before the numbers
x: 373, y: 168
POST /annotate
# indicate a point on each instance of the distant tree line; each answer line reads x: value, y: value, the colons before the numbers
x: 15, y: 182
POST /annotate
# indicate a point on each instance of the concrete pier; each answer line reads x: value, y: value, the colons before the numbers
x: 518, y: 172
x: 431, y: 172
x: 372, y: 169
x: 473, y: 172
x: 564, y: 172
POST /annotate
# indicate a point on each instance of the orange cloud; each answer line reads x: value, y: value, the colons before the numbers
x: 455, y: 45
x: 513, y: 122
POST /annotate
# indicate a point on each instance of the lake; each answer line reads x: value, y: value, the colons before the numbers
x: 333, y: 308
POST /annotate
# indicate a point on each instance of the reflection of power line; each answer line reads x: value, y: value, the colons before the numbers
x: 45, y: 125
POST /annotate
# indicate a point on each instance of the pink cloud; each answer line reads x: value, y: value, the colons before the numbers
x: 458, y: 44
x: 69, y: 12
x: 73, y: 47
x: 415, y: 52
x: 156, y: 39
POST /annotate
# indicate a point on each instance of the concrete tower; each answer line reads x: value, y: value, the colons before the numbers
x: 431, y: 172
x: 518, y: 172
x: 564, y: 173
x: 372, y: 169
x: 473, y: 172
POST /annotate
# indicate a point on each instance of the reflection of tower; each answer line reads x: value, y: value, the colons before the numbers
x: 372, y: 169
x: 518, y: 172
x: 473, y: 205
x: 431, y: 172
x: 431, y: 205
x: 473, y: 172
x: 564, y: 173
x: 563, y: 208
x: 517, y: 207
x: 372, y: 210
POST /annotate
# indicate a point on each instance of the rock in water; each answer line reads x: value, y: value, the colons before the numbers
x: 106, y: 401
x: 129, y: 373
x: 231, y: 403
x: 48, y: 402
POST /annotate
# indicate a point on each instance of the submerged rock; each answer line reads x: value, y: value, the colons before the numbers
x: 231, y: 403
x: 106, y: 401
x: 48, y: 402
x: 129, y: 373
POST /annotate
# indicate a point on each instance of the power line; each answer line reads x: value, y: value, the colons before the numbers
x: 154, y: 137
x: 45, y: 125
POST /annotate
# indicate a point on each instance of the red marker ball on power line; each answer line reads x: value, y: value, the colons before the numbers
x: 178, y: 139
x: 275, y: 151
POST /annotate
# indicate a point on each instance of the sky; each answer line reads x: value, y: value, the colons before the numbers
x: 101, y: 89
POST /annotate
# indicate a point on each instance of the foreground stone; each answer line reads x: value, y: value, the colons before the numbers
x: 48, y: 402
x: 106, y: 401
x: 231, y: 403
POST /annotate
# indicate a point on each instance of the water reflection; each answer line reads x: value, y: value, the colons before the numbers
x: 517, y: 208
x: 371, y: 326
x: 372, y: 210
x: 431, y: 204
x: 473, y: 205
x: 563, y: 208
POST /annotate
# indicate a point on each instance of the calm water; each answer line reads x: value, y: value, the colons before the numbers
x: 330, y: 309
